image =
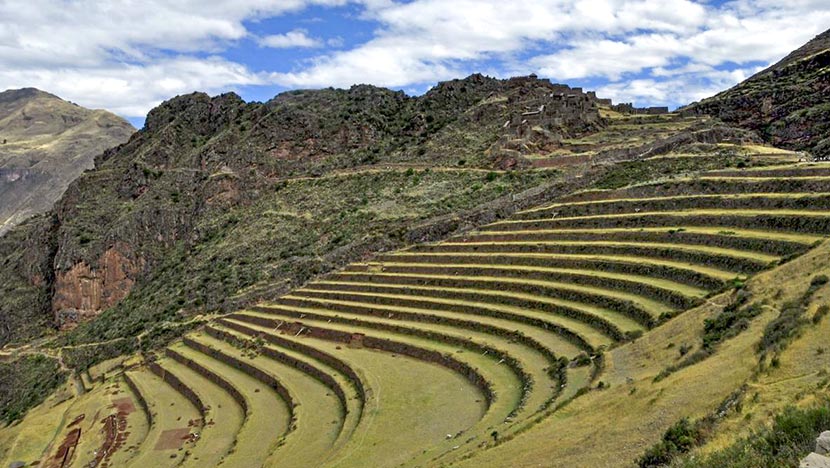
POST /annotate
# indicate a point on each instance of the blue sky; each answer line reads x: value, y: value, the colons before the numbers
x: 129, y: 56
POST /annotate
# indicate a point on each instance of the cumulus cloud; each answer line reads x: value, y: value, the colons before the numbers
x: 127, y: 56
x: 616, y: 41
x: 295, y: 38
x: 133, y: 89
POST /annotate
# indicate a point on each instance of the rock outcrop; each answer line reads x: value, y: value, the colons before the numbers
x: 82, y: 292
x: 821, y: 457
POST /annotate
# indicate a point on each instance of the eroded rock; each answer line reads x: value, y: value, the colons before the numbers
x: 83, y: 291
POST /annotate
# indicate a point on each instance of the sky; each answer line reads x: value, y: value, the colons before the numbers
x: 128, y: 56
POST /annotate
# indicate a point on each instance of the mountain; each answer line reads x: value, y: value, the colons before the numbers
x: 523, y: 235
x: 46, y: 143
x: 217, y: 202
x: 788, y: 104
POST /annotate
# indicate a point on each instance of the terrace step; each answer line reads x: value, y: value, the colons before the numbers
x: 728, y: 262
x: 771, y: 243
x: 579, y: 334
x: 807, y: 222
x: 318, y: 413
x: 223, y: 417
x: 411, y: 404
x: 502, y: 370
x: 374, y: 305
x: 698, y: 276
x: 742, y: 201
x: 352, y: 390
x: 602, y: 320
x: 708, y: 185
x: 533, y: 358
x: 267, y: 414
x: 172, y: 419
x: 668, y: 293
x: 626, y: 311
x: 501, y: 384
x: 801, y: 170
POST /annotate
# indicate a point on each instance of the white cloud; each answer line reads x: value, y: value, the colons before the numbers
x: 127, y: 56
x: 132, y: 90
x: 295, y: 38
x: 428, y: 40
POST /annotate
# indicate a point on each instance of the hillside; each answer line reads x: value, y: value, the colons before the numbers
x: 788, y: 104
x: 496, y: 273
x: 309, y: 181
x: 46, y: 143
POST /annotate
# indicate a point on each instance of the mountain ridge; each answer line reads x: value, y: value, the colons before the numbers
x: 787, y: 104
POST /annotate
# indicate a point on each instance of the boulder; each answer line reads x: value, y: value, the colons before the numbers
x: 823, y: 443
x: 815, y: 460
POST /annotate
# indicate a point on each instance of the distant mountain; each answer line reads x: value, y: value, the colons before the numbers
x: 788, y: 104
x: 45, y: 144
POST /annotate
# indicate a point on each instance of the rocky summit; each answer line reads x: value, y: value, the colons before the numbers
x: 495, y: 273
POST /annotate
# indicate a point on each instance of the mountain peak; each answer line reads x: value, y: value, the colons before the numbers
x: 12, y: 95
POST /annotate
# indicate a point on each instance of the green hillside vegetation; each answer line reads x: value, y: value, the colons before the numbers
x: 529, y: 330
x: 787, y: 104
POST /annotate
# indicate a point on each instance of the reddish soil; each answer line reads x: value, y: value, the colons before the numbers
x: 66, y: 450
x: 115, y: 431
x: 124, y: 405
x: 77, y: 420
x: 173, y: 439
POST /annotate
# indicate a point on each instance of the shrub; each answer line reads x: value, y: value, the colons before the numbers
x: 792, y: 435
x: 782, y: 328
x: 820, y: 314
x: 678, y: 439
x: 25, y: 383
x: 730, y: 322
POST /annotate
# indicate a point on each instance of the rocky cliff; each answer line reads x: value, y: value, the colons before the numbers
x: 788, y: 104
x: 46, y: 143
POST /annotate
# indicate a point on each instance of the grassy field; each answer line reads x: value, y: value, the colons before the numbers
x: 411, y: 407
x: 642, y: 415
x: 318, y: 412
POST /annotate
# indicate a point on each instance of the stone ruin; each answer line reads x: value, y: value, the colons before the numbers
x: 628, y: 108
x: 551, y: 106
x: 542, y: 114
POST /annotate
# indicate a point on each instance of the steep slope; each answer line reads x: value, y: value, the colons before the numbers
x: 788, y: 104
x: 218, y: 204
x: 46, y: 143
x: 509, y: 345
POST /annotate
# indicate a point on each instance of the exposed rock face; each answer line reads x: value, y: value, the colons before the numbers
x: 821, y: 457
x: 46, y: 143
x: 815, y: 460
x: 82, y: 292
x: 788, y: 104
x: 823, y: 443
